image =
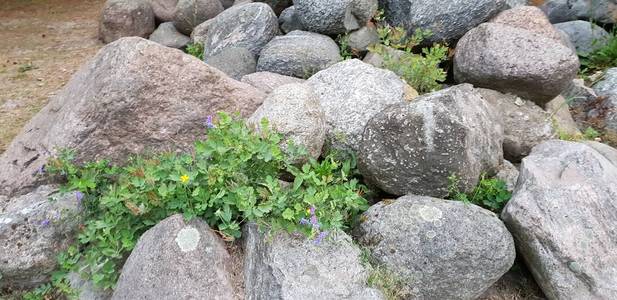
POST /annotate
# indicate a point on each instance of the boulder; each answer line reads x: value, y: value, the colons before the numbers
x: 299, y: 53
x: 448, y: 20
x: 580, y: 100
x: 294, y: 111
x: 490, y: 56
x: 603, y: 11
x: 164, y: 10
x: 508, y: 173
x: 585, y: 36
x: 200, y: 32
x: 34, y: 229
x: 177, y: 259
x: 294, y: 267
x: 524, y: 123
x: 167, y: 35
x: 561, y: 117
x: 86, y: 288
x: 122, y: 18
x: 362, y: 38
x: 559, y: 215
x: 333, y: 17
x: 268, y: 81
x: 607, y: 151
x: 440, y: 249
x: 234, y: 61
x: 190, y: 13
x: 277, y: 5
x: 412, y: 148
x: 351, y: 93
x: 250, y: 26
x: 133, y: 96
x: 288, y: 20
x: 227, y: 3
x: 515, y: 3
x: 605, y: 112
x: 530, y: 18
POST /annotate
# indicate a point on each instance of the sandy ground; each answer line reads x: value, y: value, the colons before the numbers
x: 42, y: 43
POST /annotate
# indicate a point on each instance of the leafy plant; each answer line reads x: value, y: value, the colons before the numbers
x: 196, y: 49
x: 601, y: 58
x: 343, y: 42
x: 391, y: 285
x: 231, y: 178
x: 490, y: 193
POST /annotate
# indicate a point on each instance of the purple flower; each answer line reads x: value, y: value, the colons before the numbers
x: 41, y: 170
x: 304, y: 221
x: 45, y: 223
x: 314, y: 221
x: 312, y: 210
x: 209, y: 123
x: 80, y: 196
x: 322, y: 235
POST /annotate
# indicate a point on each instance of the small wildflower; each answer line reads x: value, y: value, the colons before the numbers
x: 41, y: 170
x: 184, y: 178
x: 314, y: 221
x: 45, y: 223
x: 322, y: 235
x: 304, y: 221
x: 312, y: 210
x: 209, y: 123
x: 79, y: 196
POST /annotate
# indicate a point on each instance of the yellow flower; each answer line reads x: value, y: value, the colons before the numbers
x: 184, y: 178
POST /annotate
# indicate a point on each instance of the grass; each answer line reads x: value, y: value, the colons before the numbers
x: 602, y: 58
x: 388, y: 282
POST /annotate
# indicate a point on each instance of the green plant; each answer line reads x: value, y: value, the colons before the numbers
x: 392, y: 286
x: 196, y: 49
x: 490, y: 193
x: 346, y: 51
x: 23, y: 68
x: 231, y: 178
x: 601, y: 58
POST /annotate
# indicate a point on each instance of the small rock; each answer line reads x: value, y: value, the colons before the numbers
x: 233, y: 61
x: 509, y: 174
x: 190, y: 13
x: 164, y: 10
x: 585, y: 36
x: 607, y: 117
x: 86, y: 288
x: 268, y: 81
x: 227, y: 3
x: 377, y: 60
x: 362, y: 38
x: 299, y: 53
x: 333, y: 17
x: 288, y: 20
x: 167, y: 35
x: 561, y: 116
x: 123, y: 18
x: 200, y: 32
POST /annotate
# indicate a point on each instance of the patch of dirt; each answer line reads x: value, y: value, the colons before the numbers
x: 42, y: 43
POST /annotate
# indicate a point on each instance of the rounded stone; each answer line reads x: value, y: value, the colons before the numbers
x: 334, y: 16
x: 190, y: 13
x: 123, y: 18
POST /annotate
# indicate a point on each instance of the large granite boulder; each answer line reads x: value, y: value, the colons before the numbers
x: 561, y: 216
x: 123, y: 18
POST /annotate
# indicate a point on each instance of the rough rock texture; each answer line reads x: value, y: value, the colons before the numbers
x: 580, y: 98
x: 200, y: 32
x: 377, y: 60
x: 524, y: 123
x: 360, y: 39
x: 448, y: 20
x: 442, y: 249
x: 167, y: 35
x: 607, y: 151
x: 33, y: 230
x: 508, y: 173
x: 490, y: 56
x: 233, y: 61
x: 603, y: 11
x: 562, y: 215
x: 86, y: 288
x: 250, y: 26
x: 294, y: 111
x: 134, y: 96
x: 268, y: 81
x: 288, y: 20
x: 515, y: 3
x: 530, y: 18
x: 561, y: 117
x: 299, y: 53
x: 333, y: 17
x: 164, y: 10
x: 351, y: 93
x: 289, y: 267
x: 122, y: 18
x: 607, y: 113
x: 585, y: 36
x: 412, y: 148
x: 177, y: 260
x: 190, y: 13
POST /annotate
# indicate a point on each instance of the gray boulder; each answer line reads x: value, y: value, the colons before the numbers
x: 606, y: 112
x: 560, y: 214
x: 250, y: 26
x: 524, y: 123
x: 177, y: 259
x: 362, y: 38
x: 607, y: 151
x: 268, y: 81
x: 333, y: 17
x: 294, y: 111
x: 448, y: 20
x: 288, y: 20
x: 294, y: 267
x: 233, y: 61
x: 508, y: 173
x: 440, y: 249
x: 585, y: 36
x: 200, y: 32
x: 299, y: 53
x: 558, y: 11
x: 122, y: 18
x: 190, y: 13
x: 515, y: 3
x: 530, y: 18
x: 412, y: 148
x: 86, y: 288
x: 164, y: 10
x: 34, y: 229
x: 562, y: 119
x: 351, y: 93
x: 490, y: 56
x: 580, y: 99
x: 227, y: 3
x: 167, y: 35
x: 133, y: 96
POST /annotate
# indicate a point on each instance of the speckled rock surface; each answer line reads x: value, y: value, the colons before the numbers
x: 561, y: 216
x: 585, y: 36
x: 268, y: 81
x: 333, y: 17
x: 562, y: 119
x: 530, y: 18
x: 288, y: 20
x: 33, y: 231
x: 294, y: 111
x: 190, y: 13
x: 299, y: 53
x: 167, y: 35
x: 351, y: 93
x: 607, y: 114
x: 442, y: 249
x: 200, y: 32
x: 86, y: 288
x: 412, y: 148
x: 177, y: 259
x: 250, y: 26
x: 164, y: 10
x: 489, y: 56
x: 509, y: 174
x: 448, y: 20
x: 291, y: 267
x: 122, y: 18
x: 362, y: 38
x: 233, y: 61
x: 604, y: 11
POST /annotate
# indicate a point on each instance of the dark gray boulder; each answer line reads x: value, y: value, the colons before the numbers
x: 412, y: 148
x: 299, y: 54
x: 250, y: 26
x: 164, y: 10
x: 333, y: 17
x: 288, y: 20
x: 167, y: 35
x: 177, y: 259
x: 190, y: 13
x: 268, y: 81
x: 362, y: 38
x: 233, y: 61
x: 585, y: 36
x: 448, y: 20
x: 440, y: 249
x: 603, y: 11
x: 490, y: 56
x: 560, y: 216
x: 123, y: 18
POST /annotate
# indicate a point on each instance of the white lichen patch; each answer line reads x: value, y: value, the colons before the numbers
x: 188, y: 239
x: 430, y: 214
